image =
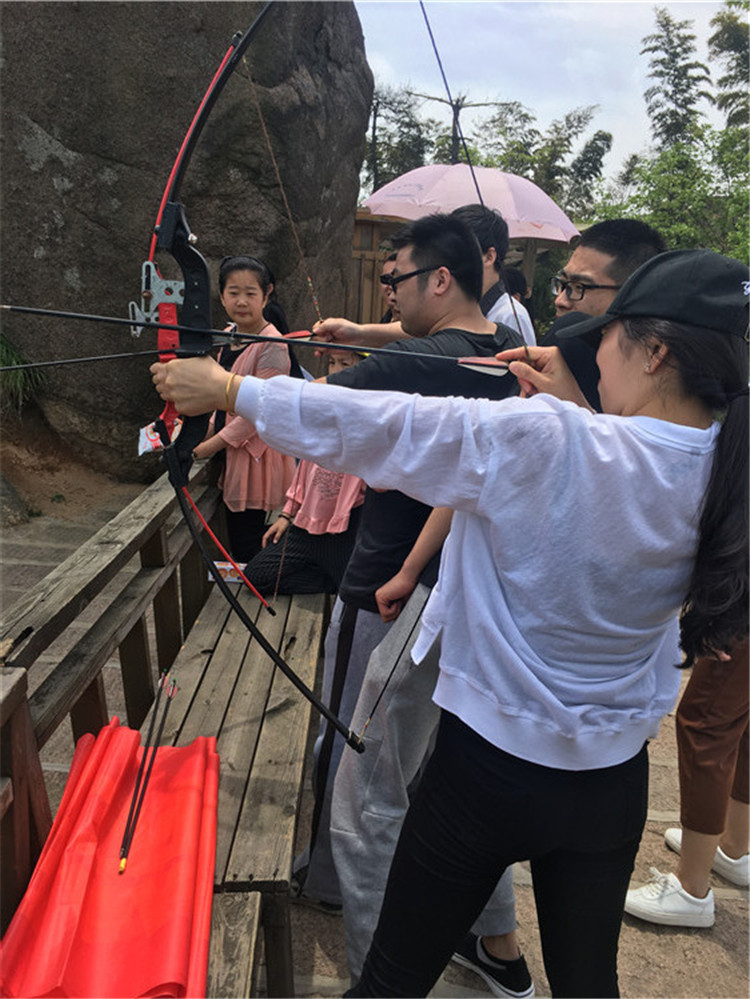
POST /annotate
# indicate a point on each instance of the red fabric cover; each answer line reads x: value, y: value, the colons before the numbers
x: 84, y: 930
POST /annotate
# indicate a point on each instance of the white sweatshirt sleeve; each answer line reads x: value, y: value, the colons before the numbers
x: 436, y: 450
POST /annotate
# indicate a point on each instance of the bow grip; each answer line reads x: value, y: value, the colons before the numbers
x: 174, y: 236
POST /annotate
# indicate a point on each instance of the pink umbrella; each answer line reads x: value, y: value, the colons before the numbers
x: 529, y: 212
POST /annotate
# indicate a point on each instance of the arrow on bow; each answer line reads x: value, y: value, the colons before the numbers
x: 160, y: 299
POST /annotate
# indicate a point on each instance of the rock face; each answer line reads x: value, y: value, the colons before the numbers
x: 97, y: 98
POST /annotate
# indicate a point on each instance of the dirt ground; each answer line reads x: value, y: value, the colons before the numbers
x: 654, y: 961
x: 48, y: 475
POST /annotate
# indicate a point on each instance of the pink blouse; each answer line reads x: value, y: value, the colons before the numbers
x: 255, y: 476
x: 320, y: 501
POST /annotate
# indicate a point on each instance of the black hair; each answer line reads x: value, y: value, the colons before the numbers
x: 488, y: 226
x: 629, y: 241
x: 515, y: 281
x: 444, y: 241
x: 712, y: 366
x: 231, y: 264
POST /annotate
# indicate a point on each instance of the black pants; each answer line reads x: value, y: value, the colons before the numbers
x: 245, y: 529
x: 477, y: 810
x: 303, y: 562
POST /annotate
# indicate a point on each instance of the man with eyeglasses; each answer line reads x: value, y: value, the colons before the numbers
x: 391, y: 314
x: 437, y: 284
x: 604, y: 256
x: 491, y: 230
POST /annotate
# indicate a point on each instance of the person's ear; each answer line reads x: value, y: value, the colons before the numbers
x: 443, y: 278
x: 658, y: 353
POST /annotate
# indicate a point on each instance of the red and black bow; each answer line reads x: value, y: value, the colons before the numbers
x: 160, y: 301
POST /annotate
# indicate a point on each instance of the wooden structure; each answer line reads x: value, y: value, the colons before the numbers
x: 143, y: 560
x: 369, y: 250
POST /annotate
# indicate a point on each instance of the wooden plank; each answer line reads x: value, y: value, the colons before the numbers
x: 192, y: 663
x: 41, y: 813
x: 194, y: 587
x: 209, y: 705
x: 277, y: 936
x: 89, y: 713
x: 235, y: 920
x: 137, y: 673
x: 16, y: 858
x: 13, y: 687
x: 240, y: 732
x: 66, y: 591
x: 56, y: 696
x: 58, y: 693
x: 262, y: 850
x: 167, y: 619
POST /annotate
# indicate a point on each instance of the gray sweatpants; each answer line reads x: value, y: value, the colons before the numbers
x: 370, y: 793
x: 370, y: 629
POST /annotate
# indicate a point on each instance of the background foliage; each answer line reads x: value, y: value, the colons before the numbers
x: 692, y: 183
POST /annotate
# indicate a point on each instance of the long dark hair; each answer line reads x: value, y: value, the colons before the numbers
x: 713, y: 367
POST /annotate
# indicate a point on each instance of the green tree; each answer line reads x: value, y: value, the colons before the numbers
x: 512, y: 141
x: 730, y: 43
x: 448, y: 147
x: 399, y: 140
x: 695, y: 193
x: 672, y: 101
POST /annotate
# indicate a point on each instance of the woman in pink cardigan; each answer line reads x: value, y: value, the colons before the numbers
x: 255, y: 477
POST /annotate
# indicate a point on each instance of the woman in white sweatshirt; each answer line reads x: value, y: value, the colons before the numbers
x: 559, y: 632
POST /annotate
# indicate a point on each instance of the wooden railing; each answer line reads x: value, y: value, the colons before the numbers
x: 141, y: 567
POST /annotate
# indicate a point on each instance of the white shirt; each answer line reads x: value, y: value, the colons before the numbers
x: 557, y: 617
x: 503, y: 312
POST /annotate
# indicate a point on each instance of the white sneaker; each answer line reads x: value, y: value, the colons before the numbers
x: 664, y: 900
x: 736, y: 871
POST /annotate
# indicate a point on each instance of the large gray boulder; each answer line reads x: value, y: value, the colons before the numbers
x: 97, y: 98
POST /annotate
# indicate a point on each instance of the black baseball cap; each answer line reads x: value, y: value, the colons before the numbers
x: 696, y: 287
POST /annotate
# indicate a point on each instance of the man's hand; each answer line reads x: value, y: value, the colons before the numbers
x: 357, y: 334
x: 337, y: 330
x: 393, y: 595
x: 543, y: 369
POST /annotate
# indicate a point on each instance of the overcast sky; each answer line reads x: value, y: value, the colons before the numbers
x: 552, y: 56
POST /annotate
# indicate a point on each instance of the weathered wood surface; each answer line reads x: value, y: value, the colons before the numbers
x: 57, y: 695
x: 263, y: 846
x: 26, y: 816
x: 6, y: 795
x: 63, y: 594
x: 74, y: 686
x: 230, y: 689
x: 235, y: 921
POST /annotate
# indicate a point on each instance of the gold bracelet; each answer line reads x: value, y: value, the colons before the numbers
x: 227, y: 389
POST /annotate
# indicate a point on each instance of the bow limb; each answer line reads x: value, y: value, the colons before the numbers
x: 172, y: 235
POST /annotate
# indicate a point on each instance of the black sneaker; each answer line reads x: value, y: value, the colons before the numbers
x: 505, y: 978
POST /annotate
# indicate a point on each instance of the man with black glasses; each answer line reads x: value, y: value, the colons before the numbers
x: 604, y: 256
